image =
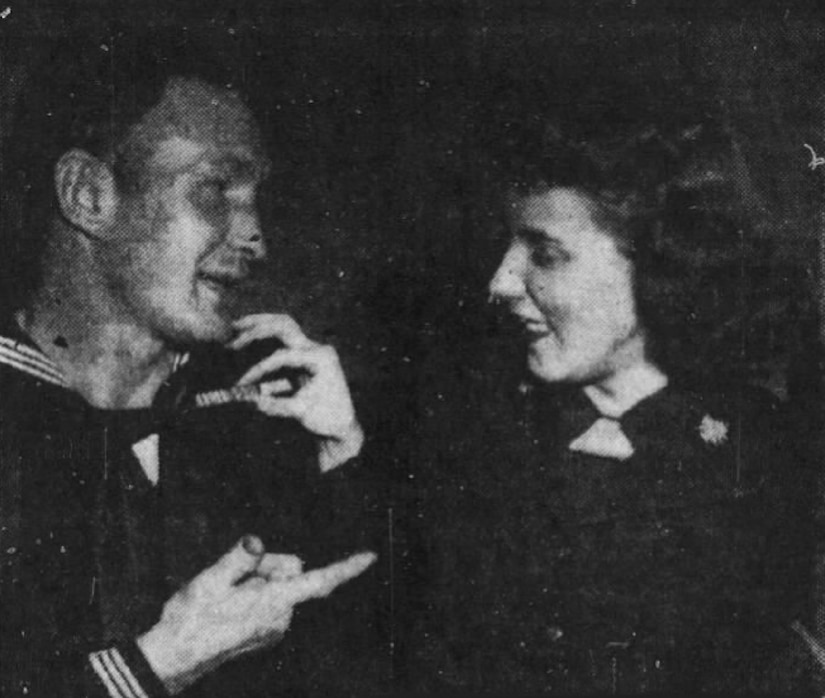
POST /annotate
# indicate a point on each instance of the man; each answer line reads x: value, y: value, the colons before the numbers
x: 112, y: 496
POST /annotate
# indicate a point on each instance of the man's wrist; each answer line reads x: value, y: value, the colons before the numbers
x: 169, y: 667
x: 335, y: 451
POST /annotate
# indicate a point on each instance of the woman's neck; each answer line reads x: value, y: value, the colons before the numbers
x: 626, y: 388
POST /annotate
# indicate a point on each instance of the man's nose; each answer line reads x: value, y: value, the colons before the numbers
x: 508, y: 281
x: 246, y: 235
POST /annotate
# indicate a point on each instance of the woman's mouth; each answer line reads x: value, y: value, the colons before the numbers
x: 534, y: 328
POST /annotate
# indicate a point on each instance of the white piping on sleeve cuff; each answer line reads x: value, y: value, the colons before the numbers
x: 115, y: 674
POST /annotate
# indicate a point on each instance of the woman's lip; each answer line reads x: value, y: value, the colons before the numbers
x: 536, y: 329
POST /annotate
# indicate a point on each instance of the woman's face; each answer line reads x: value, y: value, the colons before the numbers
x: 566, y: 282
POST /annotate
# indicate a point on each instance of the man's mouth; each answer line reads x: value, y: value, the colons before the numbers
x: 222, y: 282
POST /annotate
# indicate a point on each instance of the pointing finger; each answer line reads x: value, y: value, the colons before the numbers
x: 320, y: 583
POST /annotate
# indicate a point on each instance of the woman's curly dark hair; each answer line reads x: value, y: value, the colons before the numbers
x: 677, y: 201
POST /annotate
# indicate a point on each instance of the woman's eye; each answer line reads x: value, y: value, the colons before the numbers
x: 545, y: 258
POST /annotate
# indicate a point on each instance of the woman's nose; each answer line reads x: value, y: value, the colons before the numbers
x: 508, y: 281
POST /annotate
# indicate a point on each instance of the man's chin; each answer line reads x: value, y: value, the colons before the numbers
x: 213, y: 330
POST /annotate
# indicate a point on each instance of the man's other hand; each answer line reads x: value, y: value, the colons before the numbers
x: 242, y: 603
x: 322, y: 402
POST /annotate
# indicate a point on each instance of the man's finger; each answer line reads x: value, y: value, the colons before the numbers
x: 265, y: 326
x: 278, y: 566
x: 286, y: 407
x: 283, y: 358
x: 281, y: 387
x: 240, y: 561
x: 320, y: 583
x: 255, y: 319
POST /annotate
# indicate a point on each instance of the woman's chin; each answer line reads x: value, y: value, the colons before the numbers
x: 546, y: 370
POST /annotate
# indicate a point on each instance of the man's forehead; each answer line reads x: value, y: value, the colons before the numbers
x: 177, y: 154
x: 196, y: 112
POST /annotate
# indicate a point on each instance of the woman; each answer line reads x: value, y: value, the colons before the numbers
x: 610, y: 526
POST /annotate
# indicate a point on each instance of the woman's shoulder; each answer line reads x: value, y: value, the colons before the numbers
x: 730, y: 434
x: 713, y: 415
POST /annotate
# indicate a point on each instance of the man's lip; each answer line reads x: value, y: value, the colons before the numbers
x: 228, y: 281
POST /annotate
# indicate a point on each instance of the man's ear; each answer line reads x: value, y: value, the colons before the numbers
x: 86, y: 191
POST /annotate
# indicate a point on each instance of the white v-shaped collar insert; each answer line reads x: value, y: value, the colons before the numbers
x: 605, y: 437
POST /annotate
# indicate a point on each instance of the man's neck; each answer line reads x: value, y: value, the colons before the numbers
x: 626, y: 388
x: 111, y: 362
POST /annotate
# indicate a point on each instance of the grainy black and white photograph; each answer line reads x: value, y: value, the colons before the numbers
x: 411, y: 348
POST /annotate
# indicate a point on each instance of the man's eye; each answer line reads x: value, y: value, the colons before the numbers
x: 211, y: 192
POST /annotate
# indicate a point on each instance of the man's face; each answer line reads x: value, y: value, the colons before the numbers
x: 187, y: 230
x: 571, y: 289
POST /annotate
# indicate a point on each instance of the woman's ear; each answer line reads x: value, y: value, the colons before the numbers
x: 86, y: 191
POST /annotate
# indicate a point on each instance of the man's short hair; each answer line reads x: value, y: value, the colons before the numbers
x: 86, y: 97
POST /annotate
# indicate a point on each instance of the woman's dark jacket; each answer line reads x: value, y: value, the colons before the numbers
x: 680, y: 569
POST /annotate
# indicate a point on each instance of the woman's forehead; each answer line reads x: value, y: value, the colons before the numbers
x: 551, y: 208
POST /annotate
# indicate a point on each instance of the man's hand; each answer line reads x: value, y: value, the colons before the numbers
x: 242, y: 603
x: 322, y: 403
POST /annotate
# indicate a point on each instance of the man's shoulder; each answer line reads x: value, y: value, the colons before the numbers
x: 25, y: 397
x: 27, y: 375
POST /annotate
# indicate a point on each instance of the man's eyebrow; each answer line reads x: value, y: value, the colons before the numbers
x: 241, y: 168
x: 536, y: 236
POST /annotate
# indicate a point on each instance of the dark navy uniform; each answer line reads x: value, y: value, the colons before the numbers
x: 91, y: 547
x: 553, y: 569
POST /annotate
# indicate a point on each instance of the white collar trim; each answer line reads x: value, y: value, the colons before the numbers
x: 30, y: 360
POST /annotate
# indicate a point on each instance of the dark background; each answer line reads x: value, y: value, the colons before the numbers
x: 380, y: 115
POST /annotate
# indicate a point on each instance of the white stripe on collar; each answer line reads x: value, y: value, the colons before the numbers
x: 30, y: 360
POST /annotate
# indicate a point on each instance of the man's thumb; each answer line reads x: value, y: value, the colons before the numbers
x: 239, y: 562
